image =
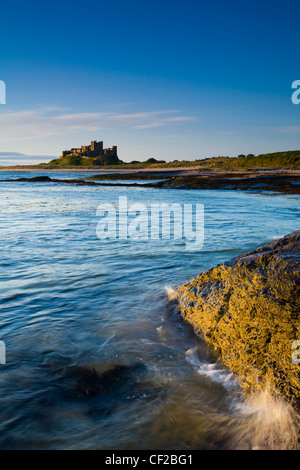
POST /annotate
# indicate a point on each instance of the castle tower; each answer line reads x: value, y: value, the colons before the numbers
x: 97, y: 147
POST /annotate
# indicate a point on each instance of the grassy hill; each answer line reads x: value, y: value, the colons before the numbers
x: 286, y: 160
x: 77, y: 161
x: 289, y: 160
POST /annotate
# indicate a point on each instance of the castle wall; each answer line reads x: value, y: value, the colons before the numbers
x: 93, y: 150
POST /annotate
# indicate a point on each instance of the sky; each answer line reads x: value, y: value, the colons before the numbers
x: 172, y: 80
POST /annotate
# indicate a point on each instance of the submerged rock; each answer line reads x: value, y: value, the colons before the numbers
x: 119, y: 384
x: 90, y: 383
x: 248, y: 309
x: 36, y: 179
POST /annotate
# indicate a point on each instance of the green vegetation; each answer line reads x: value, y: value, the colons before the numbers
x: 286, y: 160
x: 289, y: 160
x: 77, y: 161
x: 151, y: 160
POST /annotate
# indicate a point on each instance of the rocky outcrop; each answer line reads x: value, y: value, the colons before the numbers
x: 248, y: 309
x: 278, y: 183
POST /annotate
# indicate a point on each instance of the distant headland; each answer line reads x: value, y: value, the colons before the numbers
x: 95, y: 156
x: 274, y: 172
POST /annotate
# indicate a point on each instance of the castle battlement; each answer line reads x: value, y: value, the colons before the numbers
x: 93, y: 150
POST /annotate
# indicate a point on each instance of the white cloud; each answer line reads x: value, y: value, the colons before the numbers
x: 17, y: 158
x: 47, y: 122
x: 165, y: 122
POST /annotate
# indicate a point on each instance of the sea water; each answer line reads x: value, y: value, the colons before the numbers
x: 95, y: 358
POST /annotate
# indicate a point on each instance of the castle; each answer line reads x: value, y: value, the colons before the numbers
x: 93, y: 150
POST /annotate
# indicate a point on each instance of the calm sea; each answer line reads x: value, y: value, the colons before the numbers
x: 94, y: 357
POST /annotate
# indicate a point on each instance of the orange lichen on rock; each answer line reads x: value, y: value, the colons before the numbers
x: 248, y: 309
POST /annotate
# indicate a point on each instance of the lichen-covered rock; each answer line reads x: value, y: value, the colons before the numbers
x: 248, y: 309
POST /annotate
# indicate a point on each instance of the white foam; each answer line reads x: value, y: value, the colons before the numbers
x: 266, y: 421
x: 171, y: 293
x: 212, y: 371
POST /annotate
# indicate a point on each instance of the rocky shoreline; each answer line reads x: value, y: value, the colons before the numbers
x: 278, y: 183
x: 272, y: 181
x: 248, y: 310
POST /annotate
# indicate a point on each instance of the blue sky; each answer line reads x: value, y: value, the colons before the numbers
x: 163, y: 79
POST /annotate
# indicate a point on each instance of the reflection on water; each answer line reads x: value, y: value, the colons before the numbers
x: 95, y: 356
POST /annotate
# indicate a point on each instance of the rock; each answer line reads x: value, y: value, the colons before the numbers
x: 119, y: 384
x: 35, y: 179
x: 90, y: 383
x: 248, y: 310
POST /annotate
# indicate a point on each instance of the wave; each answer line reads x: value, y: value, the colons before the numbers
x: 266, y: 421
x: 255, y: 421
x: 171, y: 293
x: 213, y: 371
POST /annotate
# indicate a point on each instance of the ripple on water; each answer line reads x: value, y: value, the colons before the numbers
x: 96, y: 355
